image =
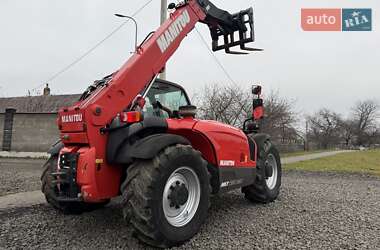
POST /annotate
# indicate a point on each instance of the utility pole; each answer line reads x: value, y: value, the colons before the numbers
x: 164, y: 16
x: 306, y: 136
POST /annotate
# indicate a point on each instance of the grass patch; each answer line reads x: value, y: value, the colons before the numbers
x: 365, y: 162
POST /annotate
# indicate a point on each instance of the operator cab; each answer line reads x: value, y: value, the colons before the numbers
x: 165, y: 99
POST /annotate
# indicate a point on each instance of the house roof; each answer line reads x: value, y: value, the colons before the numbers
x: 38, y: 104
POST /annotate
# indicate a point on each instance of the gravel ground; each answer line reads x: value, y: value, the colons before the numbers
x: 315, y: 211
x: 18, y: 175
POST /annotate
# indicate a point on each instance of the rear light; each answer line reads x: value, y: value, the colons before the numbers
x: 131, y: 117
x: 258, y: 113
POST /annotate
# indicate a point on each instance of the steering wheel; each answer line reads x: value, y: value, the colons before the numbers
x: 156, y: 109
x: 157, y: 106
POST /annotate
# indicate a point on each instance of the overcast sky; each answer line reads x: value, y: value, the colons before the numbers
x: 317, y: 69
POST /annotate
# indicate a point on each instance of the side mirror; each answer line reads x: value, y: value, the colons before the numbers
x: 256, y: 90
x: 188, y: 111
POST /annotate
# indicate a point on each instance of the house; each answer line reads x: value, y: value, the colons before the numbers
x: 38, y: 104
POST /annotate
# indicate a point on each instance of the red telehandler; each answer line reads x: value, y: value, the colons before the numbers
x: 135, y: 136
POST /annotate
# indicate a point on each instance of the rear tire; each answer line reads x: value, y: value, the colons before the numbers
x: 50, y: 192
x: 147, y: 196
x: 266, y: 189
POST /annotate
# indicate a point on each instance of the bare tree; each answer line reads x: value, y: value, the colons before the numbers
x: 280, y: 118
x: 347, y: 131
x: 365, y: 115
x: 325, y: 128
x: 373, y: 136
x: 227, y: 104
x: 233, y: 104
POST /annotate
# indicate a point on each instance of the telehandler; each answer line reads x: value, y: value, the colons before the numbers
x: 136, y: 136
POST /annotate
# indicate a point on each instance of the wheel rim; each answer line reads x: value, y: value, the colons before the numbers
x: 181, y: 214
x: 272, y: 163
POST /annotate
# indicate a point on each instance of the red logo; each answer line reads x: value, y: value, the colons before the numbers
x: 321, y: 19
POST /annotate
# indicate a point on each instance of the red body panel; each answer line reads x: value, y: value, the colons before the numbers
x: 230, y: 144
x: 220, y: 144
x: 74, y: 138
x: 71, y: 121
x: 184, y: 127
x: 96, y: 180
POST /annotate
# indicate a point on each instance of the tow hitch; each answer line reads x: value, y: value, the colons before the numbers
x: 65, y: 178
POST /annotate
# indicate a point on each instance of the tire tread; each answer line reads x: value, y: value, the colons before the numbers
x: 258, y: 192
x: 137, y: 194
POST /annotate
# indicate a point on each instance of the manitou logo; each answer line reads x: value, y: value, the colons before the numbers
x: 72, y: 118
x: 173, y: 32
x: 225, y: 163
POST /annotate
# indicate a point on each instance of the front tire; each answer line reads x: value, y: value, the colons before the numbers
x: 268, y: 176
x: 166, y: 199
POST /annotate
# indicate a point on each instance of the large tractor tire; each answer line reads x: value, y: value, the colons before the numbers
x: 166, y: 199
x: 268, y: 176
x: 50, y: 192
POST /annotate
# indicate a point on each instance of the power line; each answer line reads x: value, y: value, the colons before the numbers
x: 88, y: 52
x: 218, y: 62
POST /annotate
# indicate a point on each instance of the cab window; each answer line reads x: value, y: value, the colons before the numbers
x: 168, y: 95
